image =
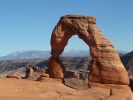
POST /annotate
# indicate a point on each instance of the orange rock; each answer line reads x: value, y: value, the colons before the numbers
x: 17, y: 76
x: 106, y: 64
x: 56, y: 69
x: 117, y: 92
x: 44, y: 75
x: 47, y: 79
x: 42, y: 79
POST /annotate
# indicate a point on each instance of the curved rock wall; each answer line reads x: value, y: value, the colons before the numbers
x: 106, y: 64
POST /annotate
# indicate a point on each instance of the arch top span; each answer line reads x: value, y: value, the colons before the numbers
x: 68, y: 26
x: 89, y: 19
x: 106, y: 64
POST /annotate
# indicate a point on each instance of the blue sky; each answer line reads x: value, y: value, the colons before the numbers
x: 28, y: 24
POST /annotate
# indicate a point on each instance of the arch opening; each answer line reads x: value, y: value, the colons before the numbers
x: 76, y: 59
x: 75, y: 45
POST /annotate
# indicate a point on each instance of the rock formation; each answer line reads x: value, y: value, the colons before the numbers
x: 106, y: 65
x: 43, y: 77
x: 29, y: 71
x: 16, y: 76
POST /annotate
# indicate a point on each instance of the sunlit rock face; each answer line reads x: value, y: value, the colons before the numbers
x: 106, y: 66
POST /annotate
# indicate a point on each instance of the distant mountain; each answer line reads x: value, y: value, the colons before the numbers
x: 46, y: 54
x: 127, y: 60
x: 41, y: 54
x: 83, y: 53
x: 76, y: 53
x: 26, y: 55
x: 121, y: 52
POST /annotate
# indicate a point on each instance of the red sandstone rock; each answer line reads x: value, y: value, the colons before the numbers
x: 17, y: 76
x: 47, y: 79
x: 56, y: 69
x: 42, y: 79
x: 44, y: 75
x: 117, y: 92
x: 106, y: 64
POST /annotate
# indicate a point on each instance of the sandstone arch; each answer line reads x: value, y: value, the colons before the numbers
x: 106, y: 64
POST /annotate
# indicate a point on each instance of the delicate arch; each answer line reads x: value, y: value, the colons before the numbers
x: 106, y: 64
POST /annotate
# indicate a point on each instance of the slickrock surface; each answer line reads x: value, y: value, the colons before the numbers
x: 106, y: 65
x: 14, y: 89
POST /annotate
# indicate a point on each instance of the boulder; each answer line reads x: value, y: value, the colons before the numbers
x: 44, y: 75
x: 17, y: 76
